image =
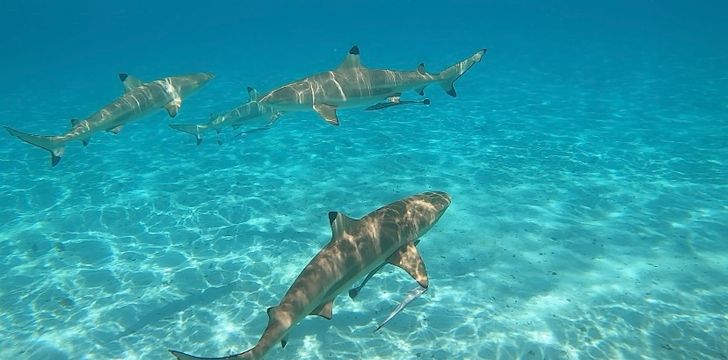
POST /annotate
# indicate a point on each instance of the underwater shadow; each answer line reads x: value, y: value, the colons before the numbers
x: 198, y: 298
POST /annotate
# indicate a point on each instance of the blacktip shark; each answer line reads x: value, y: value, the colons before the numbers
x: 353, y: 85
x: 139, y: 99
x: 235, y: 118
x: 357, y: 248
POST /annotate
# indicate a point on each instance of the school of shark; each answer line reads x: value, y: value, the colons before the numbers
x: 358, y: 248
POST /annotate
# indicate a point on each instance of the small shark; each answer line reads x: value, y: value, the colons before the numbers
x: 139, y: 98
x: 235, y: 118
x: 357, y: 248
x: 352, y: 85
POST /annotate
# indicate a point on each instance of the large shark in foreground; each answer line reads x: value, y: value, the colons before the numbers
x: 139, y: 98
x: 357, y: 248
x: 352, y: 85
x: 235, y: 117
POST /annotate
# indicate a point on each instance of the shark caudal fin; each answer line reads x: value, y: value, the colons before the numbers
x: 451, y: 74
x: 196, y: 130
x: 52, y: 144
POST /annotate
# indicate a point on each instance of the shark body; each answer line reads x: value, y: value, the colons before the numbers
x: 236, y: 117
x: 353, y: 85
x: 357, y: 248
x: 139, y: 99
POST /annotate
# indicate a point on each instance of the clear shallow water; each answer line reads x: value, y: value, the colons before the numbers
x: 585, y: 156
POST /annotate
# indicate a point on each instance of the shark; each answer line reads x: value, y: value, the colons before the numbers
x: 139, y: 99
x: 353, y: 85
x: 357, y: 247
x: 249, y: 110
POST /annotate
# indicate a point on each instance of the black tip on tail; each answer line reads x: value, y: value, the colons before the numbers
x: 199, y: 141
x: 123, y: 76
x: 354, y: 50
x: 55, y: 160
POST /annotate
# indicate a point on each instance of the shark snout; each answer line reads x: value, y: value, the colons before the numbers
x: 440, y: 200
x: 203, y: 77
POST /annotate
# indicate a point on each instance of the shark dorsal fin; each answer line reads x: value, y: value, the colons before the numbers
x: 408, y: 258
x: 252, y: 94
x: 340, y: 223
x: 325, y: 310
x: 129, y: 81
x: 421, y: 69
x: 352, y: 59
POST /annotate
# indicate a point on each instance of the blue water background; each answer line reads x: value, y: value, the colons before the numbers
x: 586, y: 155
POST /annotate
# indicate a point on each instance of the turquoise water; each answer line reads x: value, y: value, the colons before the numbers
x: 586, y: 157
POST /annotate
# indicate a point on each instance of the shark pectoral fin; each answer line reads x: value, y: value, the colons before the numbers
x: 327, y: 112
x: 420, y: 91
x: 173, y: 108
x: 408, y: 258
x: 85, y: 142
x: 352, y: 59
x: 252, y: 94
x: 325, y: 310
x: 129, y: 82
x: 284, y: 341
x: 116, y: 129
x: 275, y: 117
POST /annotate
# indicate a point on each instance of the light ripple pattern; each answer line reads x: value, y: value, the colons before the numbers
x: 589, y: 214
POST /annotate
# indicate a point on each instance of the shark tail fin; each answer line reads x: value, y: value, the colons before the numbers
x: 52, y: 144
x: 451, y: 74
x: 192, y: 129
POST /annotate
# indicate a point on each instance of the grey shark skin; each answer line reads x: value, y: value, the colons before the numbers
x: 357, y: 247
x: 235, y: 117
x: 138, y: 100
x: 352, y: 85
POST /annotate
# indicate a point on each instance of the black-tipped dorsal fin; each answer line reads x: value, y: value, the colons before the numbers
x: 340, y: 223
x: 75, y: 122
x: 325, y: 310
x: 352, y: 59
x: 129, y: 81
x: 421, y: 69
x: 408, y: 258
x: 252, y: 94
